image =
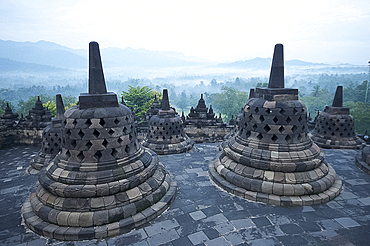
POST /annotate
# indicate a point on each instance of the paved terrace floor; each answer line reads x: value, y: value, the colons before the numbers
x: 202, y: 214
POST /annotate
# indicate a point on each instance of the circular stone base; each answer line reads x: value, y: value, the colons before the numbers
x: 360, y: 162
x: 355, y: 143
x: 169, y: 149
x: 71, y: 233
x: 41, y: 159
x: 305, y: 200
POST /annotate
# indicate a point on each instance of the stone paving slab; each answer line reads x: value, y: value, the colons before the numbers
x: 203, y: 214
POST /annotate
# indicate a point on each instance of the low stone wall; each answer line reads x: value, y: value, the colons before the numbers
x: 207, y: 134
x: 17, y: 135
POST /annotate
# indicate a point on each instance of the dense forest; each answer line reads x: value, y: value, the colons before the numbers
x: 227, y: 96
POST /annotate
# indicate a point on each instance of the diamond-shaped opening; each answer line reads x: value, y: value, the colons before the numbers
x: 333, y: 124
x: 288, y: 119
x: 88, y: 123
x: 268, y: 111
x: 111, y: 132
x: 299, y: 137
x: 80, y: 156
x: 170, y: 128
x: 337, y: 120
x: 256, y: 110
x: 332, y: 133
x: 337, y: 129
x: 116, y: 121
x: 51, y: 150
x: 324, y: 132
x: 282, y: 111
x: 329, y: 128
x: 127, y: 149
x: 247, y: 134
x: 262, y: 119
x: 74, y: 122
x: 163, y: 137
x: 294, y: 111
x: 274, y: 138
x: 341, y: 134
x: 102, y: 122
x: 267, y: 128
x: 68, y: 133
x: 126, y: 118
x: 260, y: 136
x: 161, y: 124
x: 65, y: 122
x: 342, y: 124
x: 254, y: 126
x: 74, y: 143
x: 96, y: 133
x: 288, y: 138
x: 294, y: 128
x: 119, y: 140
x: 81, y: 134
x: 326, y: 123
x: 281, y: 129
x: 275, y: 119
x: 299, y: 119
x: 51, y: 140
x: 160, y: 133
x: 98, y: 155
x: 88, y: 145
x: 124, y: 130
x: 250, y: 117
x: 105, y: 143
x: 130, y: 137
x: 345, y: 129
x: 114, y: 153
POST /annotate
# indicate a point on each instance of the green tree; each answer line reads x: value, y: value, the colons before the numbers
x: 318, y: 102
x: 361, y: 116
x: 182, y: 102
x: 140, y: 99
x: 230, y: 102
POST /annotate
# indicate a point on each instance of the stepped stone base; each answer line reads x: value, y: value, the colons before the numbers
x: 351, y: 143
x: 169, y: 149
x: 363, y: 159
x: 221, y: 175
x: 77, y: 224
x: 41, y: 160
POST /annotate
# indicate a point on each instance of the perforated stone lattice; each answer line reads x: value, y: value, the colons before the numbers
x: 274, y: 125
x: 103, y: 139
x: 335, y: 126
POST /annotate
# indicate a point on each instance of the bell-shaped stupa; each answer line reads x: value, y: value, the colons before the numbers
x: 335, y: 128
x: 51, y: 138
x: 166, y: 133
x: 271, y: 159
x: 8, y: 118
x: 102, y: 183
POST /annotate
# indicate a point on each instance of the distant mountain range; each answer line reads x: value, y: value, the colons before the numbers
x: 43, y: 56
x: 265, y: 63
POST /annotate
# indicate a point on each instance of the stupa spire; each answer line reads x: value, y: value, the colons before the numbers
x: 338, y: 98
x: 165, y: 101
x: 60, y: 107
x: 96, y: 75
x: 277, y: 68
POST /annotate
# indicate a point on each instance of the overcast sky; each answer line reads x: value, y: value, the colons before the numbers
x: 316, y: 31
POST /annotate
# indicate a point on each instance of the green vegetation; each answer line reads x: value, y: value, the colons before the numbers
x: 140, y: 99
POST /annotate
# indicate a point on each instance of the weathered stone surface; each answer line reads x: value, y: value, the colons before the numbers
x: 101, y: 176
x: 166, y: 131
x: 335, y: 128
x: 279, y: 159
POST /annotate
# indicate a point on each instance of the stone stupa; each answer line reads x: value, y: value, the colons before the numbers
x: 51, y: 138
x: 335, y: 128
x: 271, y: 159
x: 363, y: 159
x: 166, y: 133
x: 8, y: 118
x: 102, y: 183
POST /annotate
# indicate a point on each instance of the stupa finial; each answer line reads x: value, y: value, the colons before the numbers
x: 338, y: 98
x: 60, y: 107
x: 165, y: 101
x: 277, y: 68
x: 96, y: 75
